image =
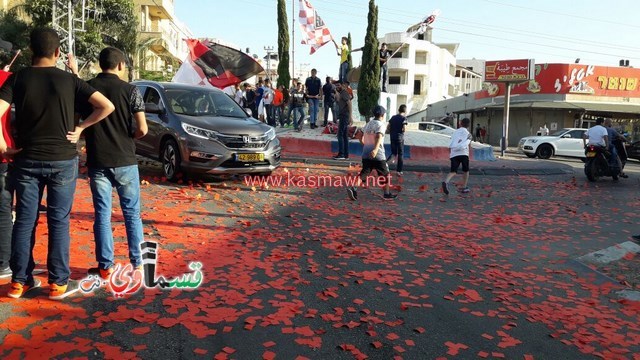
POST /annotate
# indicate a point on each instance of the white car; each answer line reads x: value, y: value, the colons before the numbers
x: 437, y: 128
x: 565, y: 142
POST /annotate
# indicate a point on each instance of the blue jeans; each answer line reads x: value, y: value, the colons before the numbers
x: 127, y: 183
x: 314, y: 105
x: 343, y: 136
x: 344, y: 68
x: 297, y: 124
x: 30, y: 177
x: 327, y: 107
x: 5, y: 217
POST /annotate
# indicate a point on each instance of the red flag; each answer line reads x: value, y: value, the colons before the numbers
x: 220, y: 65
x: 314, y: 30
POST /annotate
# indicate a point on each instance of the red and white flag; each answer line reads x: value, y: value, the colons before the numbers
x: 314, y: 30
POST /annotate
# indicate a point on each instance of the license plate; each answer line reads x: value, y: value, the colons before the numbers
x: 591, y: 154
x: 250, y: 157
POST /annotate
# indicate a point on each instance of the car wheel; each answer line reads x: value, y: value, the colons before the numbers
x: 171, y: 160
x: 531, y: 156
x: 545, y: 151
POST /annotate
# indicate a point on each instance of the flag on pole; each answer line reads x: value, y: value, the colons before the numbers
x: 217, y: 65
x: 422, y: 26
x: 314, y: 30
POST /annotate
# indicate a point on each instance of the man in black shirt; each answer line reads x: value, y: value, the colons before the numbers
x: 385, y: 55
x: 111, y: 159
x: 344, y: 117
x: 45, y: 100
x: 312, y: 89
x: 396, y: 128
x: 329, y: 96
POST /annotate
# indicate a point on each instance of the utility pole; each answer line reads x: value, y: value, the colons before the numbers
x: 67, y: 21
x: 269, y: 50
x: 293, y: 37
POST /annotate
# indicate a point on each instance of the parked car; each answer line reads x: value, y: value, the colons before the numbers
x: 565, y: 142
x: 633, y: 150
x: 202, y: 130
x: 435, y: 127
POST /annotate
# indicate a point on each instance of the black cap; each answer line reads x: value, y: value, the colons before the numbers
x: 379, y: 111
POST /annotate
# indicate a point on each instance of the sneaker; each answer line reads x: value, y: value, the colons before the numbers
x: 104, y: 273
x: 353, y: 193
x: 445, y: 188
x: 624, y: 176
x: 339, y: 157
x: 635, y: 237
x: 42, y: 208
x: 390, y: 196
x: 391, y: 161
x: 59, y: 292
x: 18, y: 290
x: 5, y: 273
x: 400, y: 173
x: 465, y: 190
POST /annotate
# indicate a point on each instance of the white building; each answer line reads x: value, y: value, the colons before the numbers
x: 423, y: 72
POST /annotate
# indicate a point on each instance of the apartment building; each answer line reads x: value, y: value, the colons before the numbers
x: 160, y: 36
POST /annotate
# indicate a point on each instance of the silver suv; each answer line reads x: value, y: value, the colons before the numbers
x: 194, y: 129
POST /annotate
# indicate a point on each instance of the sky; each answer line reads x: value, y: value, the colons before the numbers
x: 549, y: 31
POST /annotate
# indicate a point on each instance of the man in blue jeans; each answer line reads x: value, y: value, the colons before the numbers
x: 344, y: 120
x: 46, y: 157
x: 312, y: 88
x: 111, y: 159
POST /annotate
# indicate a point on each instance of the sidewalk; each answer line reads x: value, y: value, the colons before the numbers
x: 313, y: 147
x: 419, y: 145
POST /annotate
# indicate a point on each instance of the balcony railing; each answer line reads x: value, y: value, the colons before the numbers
x: 159, y: 8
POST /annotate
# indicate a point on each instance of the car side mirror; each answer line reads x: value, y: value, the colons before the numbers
x: 153, y: 108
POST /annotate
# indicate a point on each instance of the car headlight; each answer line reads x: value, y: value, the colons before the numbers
x: 533, y: 141
x: 200, y: 132
x: 270, y: 134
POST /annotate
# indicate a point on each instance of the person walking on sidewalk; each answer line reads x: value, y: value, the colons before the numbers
x: 460, y: 142
x: 111, y: 159
x: 373, y: 157
x: 313, y: 88
x: 47, y: 134
x: 329, y: 99
x: 344, y: 120
x: 396, y: 128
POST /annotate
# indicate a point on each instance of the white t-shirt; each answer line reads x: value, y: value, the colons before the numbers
x: 238, y: 97
x: 267, y: 96
x: 596, y: 135
x: 460, y: 140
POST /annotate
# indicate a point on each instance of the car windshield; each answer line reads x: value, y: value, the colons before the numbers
x: 203, y: 103
x: 559, y: 132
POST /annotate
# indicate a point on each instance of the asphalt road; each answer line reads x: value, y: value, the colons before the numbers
x: 295, y: 272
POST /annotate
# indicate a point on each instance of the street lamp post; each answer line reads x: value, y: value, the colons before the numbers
x: 269, y: 50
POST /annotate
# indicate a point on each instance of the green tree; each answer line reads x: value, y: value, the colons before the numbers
x: 349, y: 58
x: 115, y: 26
x: 369, y: 84
x: 15, y: 31
x: 284, y: 77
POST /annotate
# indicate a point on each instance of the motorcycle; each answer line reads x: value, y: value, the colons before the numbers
x: 597, y: 163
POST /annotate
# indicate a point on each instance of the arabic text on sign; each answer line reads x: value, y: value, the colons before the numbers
x: 617, y: 83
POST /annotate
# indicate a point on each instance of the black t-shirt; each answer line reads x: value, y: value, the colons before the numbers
x: 329, y: 91
x: 313, y: 85
x: 396, y: 123
x: 45, y: 99
x: 110, y: 142
x: 384, y: 57
x: 343, y: 104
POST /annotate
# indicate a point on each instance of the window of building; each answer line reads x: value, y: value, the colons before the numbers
x: 417, y: 87
x: 397, y: 55
x: 394, y: 80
